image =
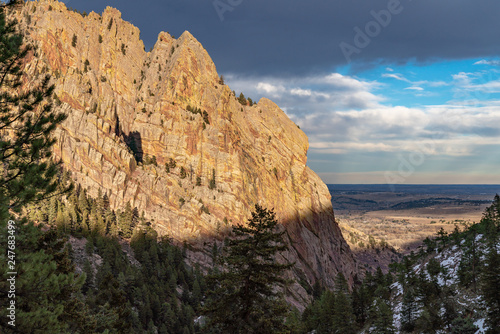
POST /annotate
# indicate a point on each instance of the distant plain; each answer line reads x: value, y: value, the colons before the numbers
x: 402, y: 216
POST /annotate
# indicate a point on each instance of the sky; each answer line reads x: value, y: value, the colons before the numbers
x: 388, y: 91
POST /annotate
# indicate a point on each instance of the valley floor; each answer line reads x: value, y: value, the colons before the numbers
x: 381, y: 224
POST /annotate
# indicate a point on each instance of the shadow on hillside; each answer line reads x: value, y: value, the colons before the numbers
x: 316, y: 246
x: 134, y: 142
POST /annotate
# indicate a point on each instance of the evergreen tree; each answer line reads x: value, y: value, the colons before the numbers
x: 126, y: 222
x: 361, y: 301
x: 343, y: 316
x: 245, y: 296
x: 382, y: 318
x: 463, y: 326
x: 26, y: 169
x: 470, y: 262
x: 409, y: 310
x: 491, y: 288
x: 242, y: 99
x: 325, y: 311
x: 113, y: 302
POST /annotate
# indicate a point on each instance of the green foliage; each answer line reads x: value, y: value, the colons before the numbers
x: 205, y: 209
x: 242, y: 99
x: 74, y: 40
x: 382, y: 316
x: 197, y: 111
x: 205, y: 117
x: 26, y: 169
x: 490, y: 288
x: 100, y: 39
x: 110, y: 24
x: 150, y: 160
x: 45, y: 284
x: 171, y: 163
x: 244, y: 296
x: 198, y: 181
x: 124, y: 50
x: 183, y: 173
x: 470, y: 263
x: 343, y: 316
x: 122, y: 297
x: 463, y: 326
x: 211, y: 183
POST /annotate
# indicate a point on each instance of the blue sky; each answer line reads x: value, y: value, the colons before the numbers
x: 387, y: 91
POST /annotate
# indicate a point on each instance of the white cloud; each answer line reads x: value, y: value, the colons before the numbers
x: 343, y: 114
x: 270, y: 88
x: 416, y: 84
x: 435, y: 83
x: 488, y: 62
x: 396, y: 76
x: 462, y: 78
x: 301, y: 92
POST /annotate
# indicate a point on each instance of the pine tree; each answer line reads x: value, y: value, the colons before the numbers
x: 409, y: 310
x: 343, y: 316
x: 126, y: 221
x: 382, y: 318
x: 242, y: 99
x: 470, y: 262
x: 491, y: 288
x: 463, y: 326
x: 245, y: 296
x: 326, y: 311
x: 26, y: 169
x: 361, y: 301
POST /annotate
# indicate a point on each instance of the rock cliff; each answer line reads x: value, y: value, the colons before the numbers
x: 126, y: 105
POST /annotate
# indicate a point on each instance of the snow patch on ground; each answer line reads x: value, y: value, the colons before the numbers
x: 480, y: 324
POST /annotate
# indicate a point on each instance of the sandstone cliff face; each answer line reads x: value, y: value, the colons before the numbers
x: 114, y: 91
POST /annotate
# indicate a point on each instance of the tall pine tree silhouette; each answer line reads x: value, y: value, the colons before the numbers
x: 245, y: 298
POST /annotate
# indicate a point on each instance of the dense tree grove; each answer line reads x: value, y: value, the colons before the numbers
x: 157, y: 294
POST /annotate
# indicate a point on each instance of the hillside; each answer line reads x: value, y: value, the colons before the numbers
x: 160, y: 130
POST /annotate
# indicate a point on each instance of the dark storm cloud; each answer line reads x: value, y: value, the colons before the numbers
x: 284, y: 37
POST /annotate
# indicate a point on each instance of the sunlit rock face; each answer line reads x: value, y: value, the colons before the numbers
x: 120, y: 99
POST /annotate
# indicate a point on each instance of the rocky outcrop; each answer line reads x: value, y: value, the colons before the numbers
x: 125, y: 104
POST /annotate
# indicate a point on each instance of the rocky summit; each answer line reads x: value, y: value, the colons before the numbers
x: 160, y: 130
